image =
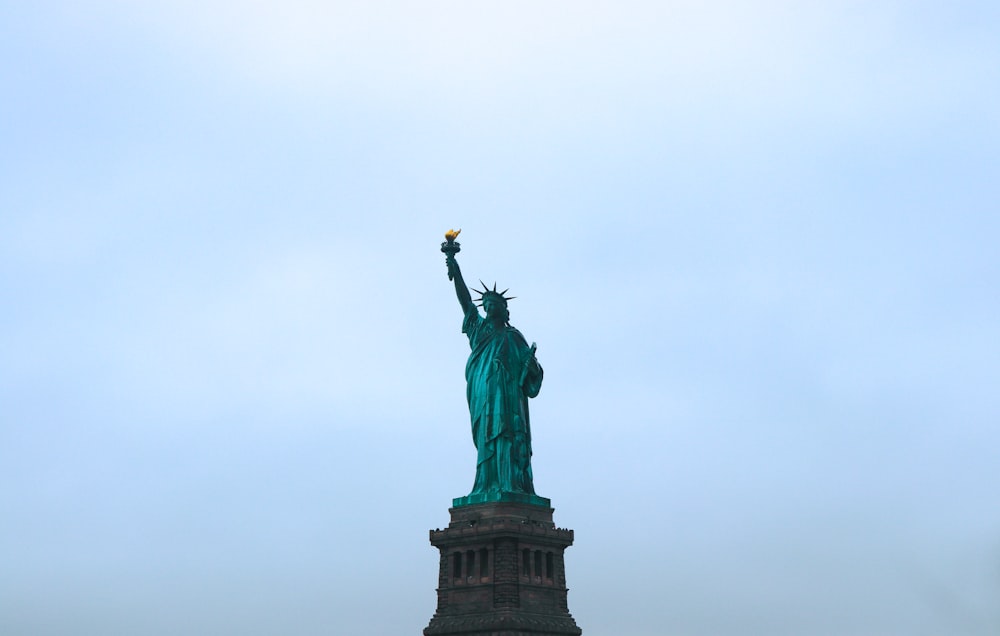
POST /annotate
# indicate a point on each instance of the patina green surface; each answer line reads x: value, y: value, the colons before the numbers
x: 501, y: 374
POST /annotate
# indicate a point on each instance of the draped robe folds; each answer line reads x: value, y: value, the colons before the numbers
x: 498, y: 404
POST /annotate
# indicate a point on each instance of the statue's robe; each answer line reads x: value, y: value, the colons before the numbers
x: 500, y: 381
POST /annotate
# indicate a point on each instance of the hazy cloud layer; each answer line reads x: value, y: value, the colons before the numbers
x: 756, y: 246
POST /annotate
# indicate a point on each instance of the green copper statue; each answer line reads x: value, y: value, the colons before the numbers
x: 502, y: 373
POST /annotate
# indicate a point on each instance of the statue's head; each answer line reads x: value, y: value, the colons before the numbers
x: 494, y: 303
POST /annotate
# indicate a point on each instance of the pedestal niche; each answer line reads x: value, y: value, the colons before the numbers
x: 502, y: 572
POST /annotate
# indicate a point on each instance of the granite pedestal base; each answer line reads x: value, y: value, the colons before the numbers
x: 502, y: 573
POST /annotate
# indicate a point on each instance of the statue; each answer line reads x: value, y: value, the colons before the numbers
x: 501, y: 374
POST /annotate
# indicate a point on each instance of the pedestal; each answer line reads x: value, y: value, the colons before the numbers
x: 502, y: 573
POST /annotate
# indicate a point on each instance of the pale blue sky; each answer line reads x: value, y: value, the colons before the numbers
x: 756, y: 244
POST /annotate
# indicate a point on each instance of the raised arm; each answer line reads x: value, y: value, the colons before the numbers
x: 461, y: 290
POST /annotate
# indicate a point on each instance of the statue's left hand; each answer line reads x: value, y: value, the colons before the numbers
x: 531, y: 365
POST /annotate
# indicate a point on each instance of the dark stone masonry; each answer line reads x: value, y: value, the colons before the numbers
x: 502, y: 573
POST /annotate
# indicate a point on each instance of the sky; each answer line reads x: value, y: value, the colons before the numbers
x: 755, y: 243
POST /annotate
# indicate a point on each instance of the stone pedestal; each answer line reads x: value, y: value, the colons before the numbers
x: 502, y: 573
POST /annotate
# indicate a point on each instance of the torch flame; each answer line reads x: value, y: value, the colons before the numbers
x: 451, y: 235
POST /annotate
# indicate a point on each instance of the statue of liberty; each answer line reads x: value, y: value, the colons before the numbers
x: 501, y: 374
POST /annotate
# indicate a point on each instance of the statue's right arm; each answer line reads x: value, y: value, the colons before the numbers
x: 461, y: 290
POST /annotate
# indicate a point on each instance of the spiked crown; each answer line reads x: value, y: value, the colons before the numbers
x: 492, y: 293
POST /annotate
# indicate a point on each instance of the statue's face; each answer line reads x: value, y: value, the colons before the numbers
x: 494, y: 308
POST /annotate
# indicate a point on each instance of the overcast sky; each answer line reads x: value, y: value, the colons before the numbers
x: 756, y: 243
